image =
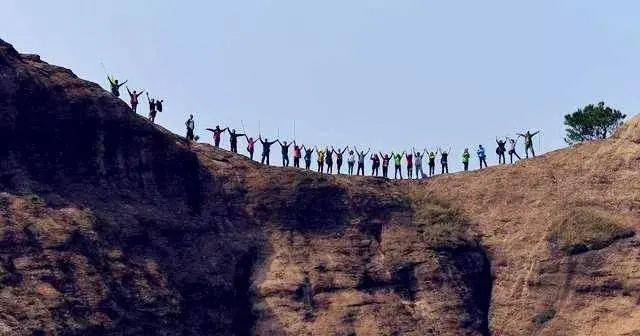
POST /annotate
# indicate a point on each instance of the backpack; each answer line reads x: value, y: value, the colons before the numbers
x: 159, y: 106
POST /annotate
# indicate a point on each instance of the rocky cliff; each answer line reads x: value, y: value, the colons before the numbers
x: 113, y: 226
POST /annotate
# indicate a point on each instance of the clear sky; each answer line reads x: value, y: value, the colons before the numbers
x: 384, y: 74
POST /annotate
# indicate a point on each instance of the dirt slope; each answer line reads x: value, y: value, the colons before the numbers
x: 112, y: 226
x: 559, y: 230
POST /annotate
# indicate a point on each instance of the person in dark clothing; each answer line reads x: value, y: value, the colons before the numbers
x: 361, y: 156
x: 233, y: 139
x: 339, y: 157
x: 133, y: 99
x: 307, y: 157
x: 385, y: 164
x: 191, y: 125
x: 152, y: 108
x: 432, y: 164
x: 297, y: 154
x: 115, y: 86
x: 251, y: 143
x: 444, y: 160
x: 375, y: 164
x: 284, y: 146
x: 528, y: 142
x: 266, y: 149
x: 216, y: 134
x: 501, y: 150
x: 329, y: 159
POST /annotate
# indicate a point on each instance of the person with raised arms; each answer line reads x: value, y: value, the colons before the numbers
x: 385, y: 164
x: 444, y: 160
x: 339, y: 157
x: 375, y: 164
x: 351, y: 161
x: 329, y: 159
x: 115, y: 85
x: 251, y: 143
x: 361, y: 156
x: 418, y: 163
x: 501, y: 150
x: 233, y: 139
x: 307, y: 157
x: 266, y: 149
x: 528, y: 142
x: 512, y: 149
x: 320, y: 158
x: 432, y: 163
x: 216, y: 134
x: 397, y: 160
x: 297, y: 154
x: 133, y: 99
x: 409, y: 158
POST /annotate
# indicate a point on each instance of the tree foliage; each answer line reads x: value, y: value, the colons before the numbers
x: 592, y: 122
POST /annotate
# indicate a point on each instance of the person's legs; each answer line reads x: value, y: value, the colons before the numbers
x: 264, y: 157
x: 307, y: 164
x: 533, y: 152
x: 409, y: 172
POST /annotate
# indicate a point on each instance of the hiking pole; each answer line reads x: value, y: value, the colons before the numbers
x: 242, y: 124
x: 104, y: 69
x: 294, y: 129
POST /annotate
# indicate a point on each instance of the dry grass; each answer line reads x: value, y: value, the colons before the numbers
x: 441, y: 225
x: 585, y: 229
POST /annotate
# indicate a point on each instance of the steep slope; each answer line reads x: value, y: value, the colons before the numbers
x: 560, y: 232
x: 113, y: 226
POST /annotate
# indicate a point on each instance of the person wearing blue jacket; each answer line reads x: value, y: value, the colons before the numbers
x: 482, y: 156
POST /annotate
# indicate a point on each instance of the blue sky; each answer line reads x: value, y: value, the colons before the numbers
x: 384, y: 74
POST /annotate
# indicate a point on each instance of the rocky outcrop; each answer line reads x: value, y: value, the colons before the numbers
x: 111, y: 225
x: 114, y: 226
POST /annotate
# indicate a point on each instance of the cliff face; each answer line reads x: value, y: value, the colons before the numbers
x: 113, y: 226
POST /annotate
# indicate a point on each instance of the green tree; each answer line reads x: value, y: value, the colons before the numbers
x: 592, y: 122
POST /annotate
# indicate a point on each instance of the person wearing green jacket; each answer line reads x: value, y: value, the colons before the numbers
x: 465, y: 159
x: 397, y: 159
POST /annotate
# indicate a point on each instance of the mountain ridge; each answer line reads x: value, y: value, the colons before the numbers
x: 112, y: 225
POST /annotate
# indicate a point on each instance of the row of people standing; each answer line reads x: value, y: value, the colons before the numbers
x: 325, y: 156
x: 355, y: 158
